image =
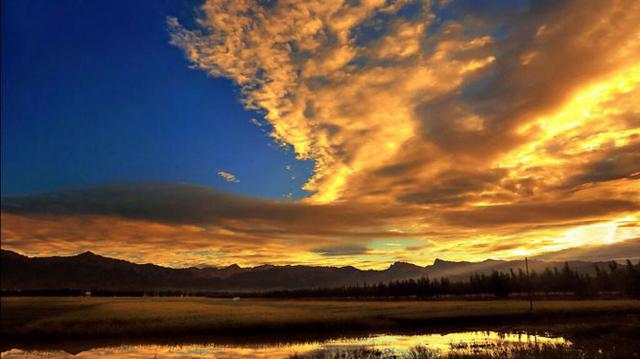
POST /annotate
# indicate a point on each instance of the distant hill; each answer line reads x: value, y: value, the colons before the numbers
x: 92, y: 271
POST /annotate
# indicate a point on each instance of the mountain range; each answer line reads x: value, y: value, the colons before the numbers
x: 91, y: 271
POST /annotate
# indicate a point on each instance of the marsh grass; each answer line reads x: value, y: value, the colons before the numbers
x: 140, y: 317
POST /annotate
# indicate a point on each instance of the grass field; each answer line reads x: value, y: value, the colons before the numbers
x: 157, y: 317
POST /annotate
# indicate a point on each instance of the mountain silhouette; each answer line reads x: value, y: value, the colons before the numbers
x: 92, y: 271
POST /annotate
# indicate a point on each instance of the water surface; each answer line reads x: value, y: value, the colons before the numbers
x: 397, y: 344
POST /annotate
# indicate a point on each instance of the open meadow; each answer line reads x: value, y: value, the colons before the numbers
x: 140, y: 317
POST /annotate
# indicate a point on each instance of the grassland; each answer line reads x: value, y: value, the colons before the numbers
x: 33, y: 318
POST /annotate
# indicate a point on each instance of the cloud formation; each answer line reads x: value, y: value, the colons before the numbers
x: 229, y: 177
x: 184, y: 224
x: 364, y: 88
x: 437, y: 128
x: 621, y: 251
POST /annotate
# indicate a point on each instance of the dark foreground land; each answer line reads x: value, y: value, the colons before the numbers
x: 30, y: 322
x: 140, y: 317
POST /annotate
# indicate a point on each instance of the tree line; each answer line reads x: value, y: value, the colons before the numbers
x: 615, y: 279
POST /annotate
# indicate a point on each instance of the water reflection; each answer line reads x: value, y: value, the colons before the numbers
x: 398, y: 344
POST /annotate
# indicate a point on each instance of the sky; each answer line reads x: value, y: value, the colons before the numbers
x: 93, y: 93
x: 321, y: 133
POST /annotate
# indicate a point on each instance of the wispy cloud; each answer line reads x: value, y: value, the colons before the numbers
x: 229, y: 177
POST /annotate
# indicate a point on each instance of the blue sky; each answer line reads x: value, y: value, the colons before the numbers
x: 93, y: 93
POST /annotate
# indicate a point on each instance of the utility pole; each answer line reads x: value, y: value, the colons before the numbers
x: 526, y: 265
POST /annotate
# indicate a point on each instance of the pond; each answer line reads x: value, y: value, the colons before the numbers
x: 392, y: 344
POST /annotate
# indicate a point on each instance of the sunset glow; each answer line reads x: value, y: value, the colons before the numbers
x: 381, y: 131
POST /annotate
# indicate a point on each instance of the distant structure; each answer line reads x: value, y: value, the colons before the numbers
x: 87, y: 293
x: 529, y: 289
x: 236, y: 299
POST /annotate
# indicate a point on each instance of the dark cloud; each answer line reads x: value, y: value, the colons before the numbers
x: 620, y: 162
x: 348, y: 250
x: 628, y: 249
x: 398, y: 169
x: 454, y: 187
x: 555, y: 212
x: 199, y: 205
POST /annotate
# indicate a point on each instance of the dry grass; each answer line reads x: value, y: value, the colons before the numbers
x: 105, y: 317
